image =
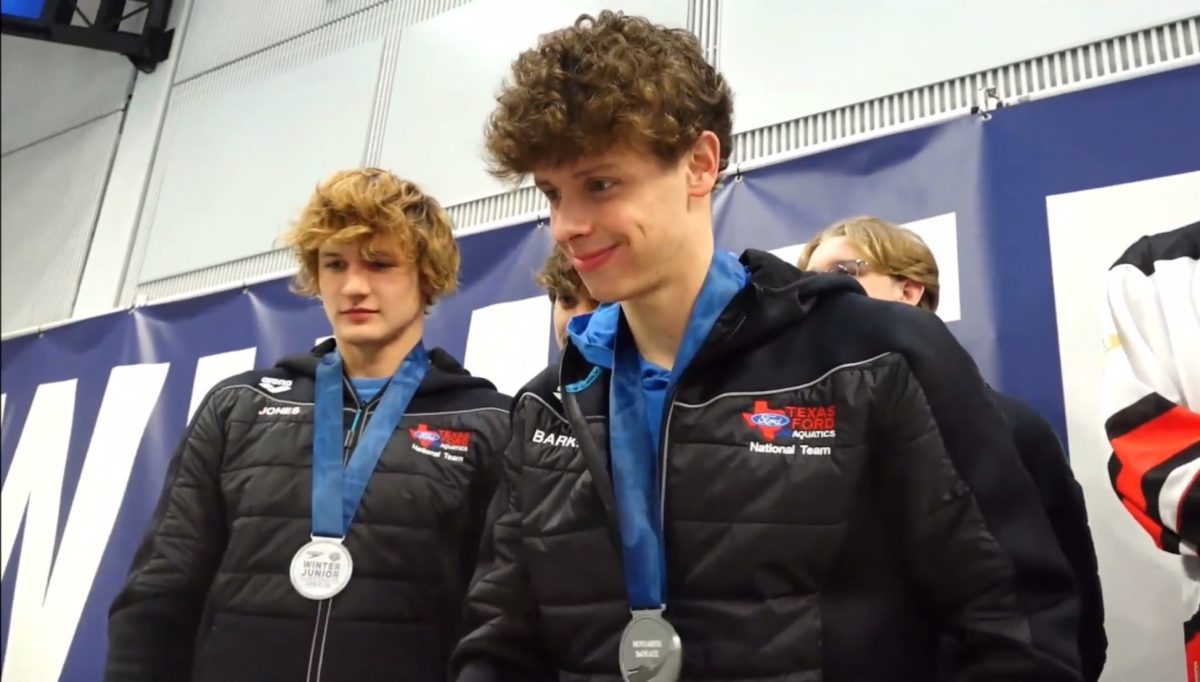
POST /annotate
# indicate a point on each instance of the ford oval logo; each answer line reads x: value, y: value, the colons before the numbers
x: 429, y: 437
x: 770, y: 419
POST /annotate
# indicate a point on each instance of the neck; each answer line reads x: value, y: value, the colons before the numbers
x: 658, y: 319
x: 382, y: 360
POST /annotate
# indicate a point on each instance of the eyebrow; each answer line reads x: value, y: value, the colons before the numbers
x: 583, y: 172
x: 596, y: 168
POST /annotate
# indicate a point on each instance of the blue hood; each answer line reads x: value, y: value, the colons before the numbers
x: 595, y: 334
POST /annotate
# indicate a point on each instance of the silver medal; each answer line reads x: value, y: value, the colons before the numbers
x: 321, y: 568
x: 651, y: 651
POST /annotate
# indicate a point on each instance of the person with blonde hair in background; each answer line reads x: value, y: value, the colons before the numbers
x: 320, y: 519
x: 893, y: 263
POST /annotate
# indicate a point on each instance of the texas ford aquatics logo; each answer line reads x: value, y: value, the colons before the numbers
x: 797, y: 423
x: 440, y: 443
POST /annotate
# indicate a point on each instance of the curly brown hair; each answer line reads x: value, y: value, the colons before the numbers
x: 602, y: 82
x: 356, y: 206
x: 560, y: 280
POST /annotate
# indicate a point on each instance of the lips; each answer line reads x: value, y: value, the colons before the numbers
x: 593, y: 260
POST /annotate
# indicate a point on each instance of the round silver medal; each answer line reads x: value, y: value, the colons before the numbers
x: 651, y: 651
x: 321, y: 568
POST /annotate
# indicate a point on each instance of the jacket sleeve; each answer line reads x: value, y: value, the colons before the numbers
x: 973, y: 531
x: 1155, y: 437
x: 153, y: 621
x: 501, y: 614
x: 1043, y: 456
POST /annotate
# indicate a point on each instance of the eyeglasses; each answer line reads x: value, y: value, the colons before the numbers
x: 854, y: 268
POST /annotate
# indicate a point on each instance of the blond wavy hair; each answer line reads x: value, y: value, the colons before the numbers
x: 892, y: 250
x: 367, y: 206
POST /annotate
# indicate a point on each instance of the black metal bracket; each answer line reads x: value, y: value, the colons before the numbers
x: 63, y: 22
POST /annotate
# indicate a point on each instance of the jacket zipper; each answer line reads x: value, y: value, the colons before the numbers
x: 325, y: 607
x: 664, y: 443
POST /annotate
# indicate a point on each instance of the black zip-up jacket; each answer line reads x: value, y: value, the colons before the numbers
x: 891, y: 508
x: 1043, y: 457
x: 208, y: 596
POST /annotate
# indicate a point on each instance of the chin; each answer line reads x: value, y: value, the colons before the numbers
x: 605, y: 289
x: 616, y: 292
x: 358, y: 337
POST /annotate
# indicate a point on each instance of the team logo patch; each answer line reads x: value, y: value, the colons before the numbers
x: 794, y: 423
x: 440, y: 443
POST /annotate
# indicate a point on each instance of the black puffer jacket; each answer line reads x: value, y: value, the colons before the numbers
x: 890, y: 509
x: 1047, y: 464
x: 209, y: 597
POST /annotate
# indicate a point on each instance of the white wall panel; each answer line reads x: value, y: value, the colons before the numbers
x: 791, y: 58
x: 49, y: 198
x: 46, y: 88
x: 241, y: 163
x: 225, y: 30
x: 448, y: 71
x: 104, y: 272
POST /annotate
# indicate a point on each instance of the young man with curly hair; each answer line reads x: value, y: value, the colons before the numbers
x: 737, y: 471
x: 567, y: 293
x: 893, y: 263
x: 321, y: 519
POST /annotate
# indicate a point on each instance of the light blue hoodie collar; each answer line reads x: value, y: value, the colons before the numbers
x: 595, y: 333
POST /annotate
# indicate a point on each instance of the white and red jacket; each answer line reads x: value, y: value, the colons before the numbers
x: 1151, y: 398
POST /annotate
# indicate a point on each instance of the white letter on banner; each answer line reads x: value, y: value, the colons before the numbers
x: 39, y: 460
x: 508, y: 343
x: 48, y: 600
x: 213, y: 369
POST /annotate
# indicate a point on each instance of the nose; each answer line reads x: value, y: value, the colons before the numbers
x: 569, y: 220
x: 355, y: 284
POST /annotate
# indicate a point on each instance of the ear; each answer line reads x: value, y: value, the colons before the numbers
x: 703, y: 164
x: 911, y: 292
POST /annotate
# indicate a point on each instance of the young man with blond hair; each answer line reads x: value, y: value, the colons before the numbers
x: 567, y: 293
x: 894, y: 263
x: 736, y: 471
x: 321, y: 519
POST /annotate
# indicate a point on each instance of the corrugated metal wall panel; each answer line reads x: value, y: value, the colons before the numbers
x: 262, y: 266
x: 47, y: 88
x: 224, y: 31
x: 1012, y: 83
x: 384, y: 20
x: 704, y: 20
x: 51, y: 196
